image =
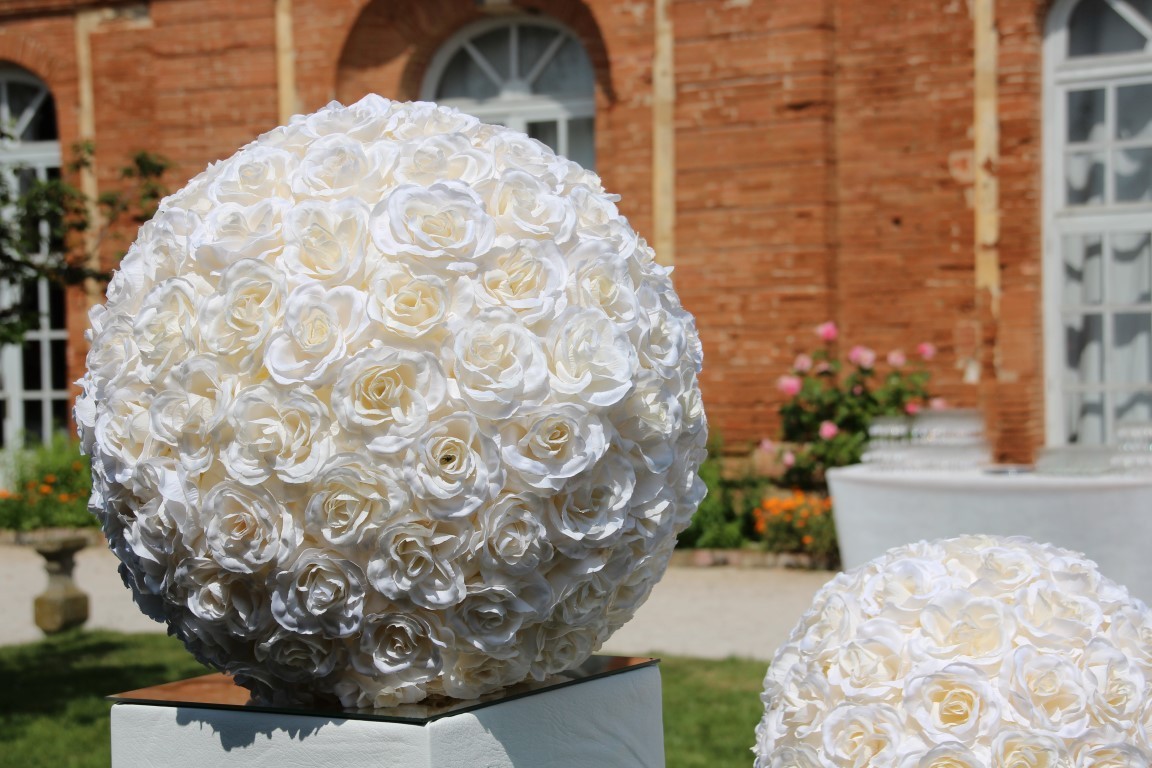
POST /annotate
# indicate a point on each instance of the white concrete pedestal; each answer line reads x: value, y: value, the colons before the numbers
x: 607, y: 721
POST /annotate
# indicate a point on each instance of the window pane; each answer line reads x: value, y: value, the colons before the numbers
x: 1086, y: 118
x: 1131, y: 361
x: 1085, y: 418
x: 1084, y: 344
x: 54, y: 220
x: 463, y: 79
x: 1134, y: 111
x: 1131, y: 276
x: 1095, y: 29
x: 33, y: 422
x: 59, y: 363
x: 581, y: 142
x: 1134, y: 408
x: 496, y: 48
x: 60, y: 416
x: 546, y: 132
x: 567, y: 73
x: 1084, y: 177
x: 534, y: 41
x: 31, y: 357
x: 1133, y: 169
x: 57, y: 307
x: 43, y: 125
x: 1083, y: 270
x: 20, y: 98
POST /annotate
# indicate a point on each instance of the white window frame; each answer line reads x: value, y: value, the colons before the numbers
x: 41, y: 157
x: 515, y: 106
x: 1062, y: 74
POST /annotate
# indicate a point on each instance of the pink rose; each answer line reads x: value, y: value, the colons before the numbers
x: 896, y: 358
x: 827, y: 331
x: 788, y: 459
x: 926, y: 350
x: 821, y: 367
x: 828, y: 430
x: 767, y: 446
x: 803, y: 363
x: 789, y: 385
x: 937, y: 403
x: 862, y: 357
x: 912, y: 409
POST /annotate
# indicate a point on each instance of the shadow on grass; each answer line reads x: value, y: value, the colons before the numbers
x: 51, y: 677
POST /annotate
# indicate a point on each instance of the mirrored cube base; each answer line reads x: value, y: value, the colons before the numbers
x: 609, y: 717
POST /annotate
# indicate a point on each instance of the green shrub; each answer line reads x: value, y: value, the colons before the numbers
x: 799, y: 522
x: 716, y: 524
x: 48, y: 487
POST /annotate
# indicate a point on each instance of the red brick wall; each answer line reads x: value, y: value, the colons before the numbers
x: 823, y: 157
x: 755, y: 204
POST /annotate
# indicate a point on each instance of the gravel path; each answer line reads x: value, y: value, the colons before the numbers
x: 703, y: 612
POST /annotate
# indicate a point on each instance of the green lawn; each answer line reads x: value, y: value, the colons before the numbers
x: 53, y: 714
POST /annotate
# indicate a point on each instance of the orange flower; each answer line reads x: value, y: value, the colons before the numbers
x: 5, y: 493
x: 77, y: 466
x: 807, y: 540
x: 45, y: 489
x: 49, y: 479
x: 64, y: 497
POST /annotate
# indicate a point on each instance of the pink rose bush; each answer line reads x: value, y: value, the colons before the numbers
x: 829, y: 404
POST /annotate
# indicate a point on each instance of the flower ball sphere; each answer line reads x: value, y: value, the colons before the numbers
x: 964, y: 653
x: 390, y: 404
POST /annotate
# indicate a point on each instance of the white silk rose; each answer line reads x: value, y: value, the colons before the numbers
x: 393, y: 404
x: 963, y: 653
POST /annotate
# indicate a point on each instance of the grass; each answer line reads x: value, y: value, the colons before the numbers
x: 53, y: 713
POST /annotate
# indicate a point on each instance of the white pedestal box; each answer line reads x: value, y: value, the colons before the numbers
x: 605, y: 714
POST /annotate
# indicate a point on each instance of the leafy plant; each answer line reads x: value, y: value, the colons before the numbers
x: 48, y: 230
x: 799, y: 522
x: 830, y: 405
x: 715, y: 524
x: 49, y: 488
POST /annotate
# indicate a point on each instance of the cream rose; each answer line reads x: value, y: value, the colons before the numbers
x: 353, y: 498
x: 499, y: 366
x: 319, y: 326
x: 444, y: 225
x: 319, y: 592
x: 387, y: 394
x: 453, y: 468
x: 278, y: 433
x: 237, y: 319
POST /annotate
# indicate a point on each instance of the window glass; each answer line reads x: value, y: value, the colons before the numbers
x: 528, y: 74
x: 1097, y: 29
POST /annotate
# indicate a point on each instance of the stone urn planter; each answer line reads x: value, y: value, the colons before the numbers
x: 63, y: 605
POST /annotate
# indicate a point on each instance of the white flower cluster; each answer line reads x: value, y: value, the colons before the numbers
x: 976, y: 652
x: 392, y: 403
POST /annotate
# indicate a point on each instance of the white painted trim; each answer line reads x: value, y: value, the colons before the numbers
x: 439, y: 63
x: 1060, y: 75
x: 40, y: 156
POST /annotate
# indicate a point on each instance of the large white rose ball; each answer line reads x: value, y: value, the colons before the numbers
x: 964, y: 653
x: 392, y: 404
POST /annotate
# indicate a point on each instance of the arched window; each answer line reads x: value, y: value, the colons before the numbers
x: 34, y: 397
x: 1098, y: 218
x: 530, y: 74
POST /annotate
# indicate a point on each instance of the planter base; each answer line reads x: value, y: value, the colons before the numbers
x: 612, y: 720
x: 63, y: 605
